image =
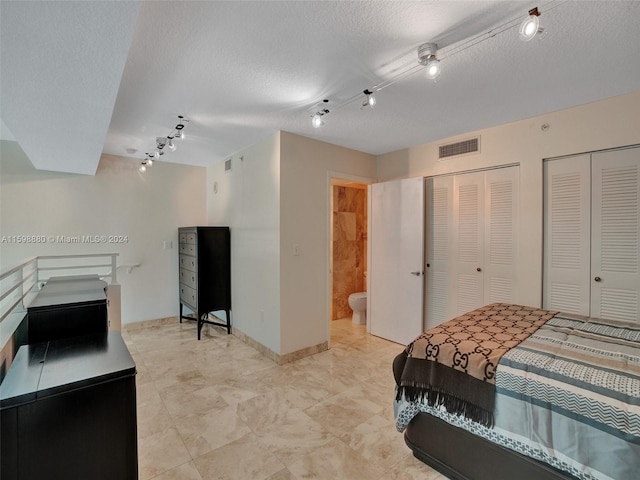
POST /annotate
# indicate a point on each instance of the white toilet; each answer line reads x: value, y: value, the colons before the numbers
x: 358, y: 303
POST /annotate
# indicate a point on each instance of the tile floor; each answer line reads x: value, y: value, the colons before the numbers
x: 218, y: 409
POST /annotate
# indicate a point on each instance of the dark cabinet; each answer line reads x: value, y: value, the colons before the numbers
x: 205, y: 273
x: 68, y: 411
x: 67, y: 307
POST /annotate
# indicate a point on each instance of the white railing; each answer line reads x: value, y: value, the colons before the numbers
x: 26, y: 279
x: 75, y: 264
x: 15, y: 285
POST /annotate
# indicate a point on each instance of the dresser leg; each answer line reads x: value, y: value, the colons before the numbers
x: 200, y: 323
x: 228, y: 322
x: 180, y: 312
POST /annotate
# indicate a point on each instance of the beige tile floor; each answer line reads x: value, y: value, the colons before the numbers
x: 218, y: 409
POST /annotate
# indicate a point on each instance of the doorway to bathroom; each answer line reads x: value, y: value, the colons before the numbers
x: 348, y: 246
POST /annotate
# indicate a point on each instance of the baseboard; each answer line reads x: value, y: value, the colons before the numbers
x: 276, y: 357
x: 263, y: 349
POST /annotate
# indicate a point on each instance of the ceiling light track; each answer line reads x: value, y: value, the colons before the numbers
x: 430, y: 58
x: 161, y: 142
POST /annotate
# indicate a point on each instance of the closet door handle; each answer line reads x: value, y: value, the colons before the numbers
x: 417, y: 274
x: 597, y: 279
x: 478, y: 269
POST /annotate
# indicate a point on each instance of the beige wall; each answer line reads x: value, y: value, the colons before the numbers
x: 600, y: 125
x: 118, y: 200
x: 307, y: 167
x: 248, y: 201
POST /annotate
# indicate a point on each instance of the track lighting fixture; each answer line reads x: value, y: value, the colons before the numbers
x: 530, y: 26
x: 317, y: 119
x: 162, y: 142
x: 430, y: 63
x: 370, y: 100
x: 427, y: 57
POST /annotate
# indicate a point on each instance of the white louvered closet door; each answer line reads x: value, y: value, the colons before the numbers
x: 500, y: 251
x: 615, y: 248
x: 567, y: 238
x: 468, y: 242
x: 438, y: 285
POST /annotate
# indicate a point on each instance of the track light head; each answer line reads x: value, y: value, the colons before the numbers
x: 530, y: 26
x: 370, y: 100
x: 427, y: 57
x: 316, y: 121
x: 171, y: 146
x: 142, y: 168
x: 433, y: 68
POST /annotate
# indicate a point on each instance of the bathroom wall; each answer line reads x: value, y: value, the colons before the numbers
x: 349, y: 246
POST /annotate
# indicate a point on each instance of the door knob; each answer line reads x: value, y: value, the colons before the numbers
x: 597, y: 279
x: 478, y: 269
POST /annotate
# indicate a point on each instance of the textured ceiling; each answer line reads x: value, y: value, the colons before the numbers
x: 240, y: 71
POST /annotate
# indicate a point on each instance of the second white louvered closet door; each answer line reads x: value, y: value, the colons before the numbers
x: 615, y: 247
x: 592, y: 235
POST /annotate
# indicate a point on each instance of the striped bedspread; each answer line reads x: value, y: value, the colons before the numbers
x: 579, y: 382
x: 568, y: 395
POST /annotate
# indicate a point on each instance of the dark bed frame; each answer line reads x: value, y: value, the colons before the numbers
x: 461, y: 455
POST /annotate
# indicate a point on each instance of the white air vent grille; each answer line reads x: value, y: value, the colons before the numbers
x: 227, y: 165
x: 472, y: 145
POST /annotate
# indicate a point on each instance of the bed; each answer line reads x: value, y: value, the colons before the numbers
x: 508, y: 391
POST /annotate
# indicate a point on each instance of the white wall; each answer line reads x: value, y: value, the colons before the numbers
x: 118, y: 200
x: 275, y: 197
x: 306, y: 166
x: 248, y: 201
x: 600, y: 125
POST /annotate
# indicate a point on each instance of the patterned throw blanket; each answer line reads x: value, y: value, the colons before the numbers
x: 454, y: 364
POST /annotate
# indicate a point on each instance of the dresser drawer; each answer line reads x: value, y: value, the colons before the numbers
x: 188, y: 248
x: 188, y: 277
x: 191, y: 238
x: 188, y: 262
x: 189, y: 296
x: 182, y: 238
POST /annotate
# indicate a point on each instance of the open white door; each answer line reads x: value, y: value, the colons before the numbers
x: 396, y: 272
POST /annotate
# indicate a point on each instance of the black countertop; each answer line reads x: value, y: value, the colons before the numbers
x: 70, y: 290
x: 45, y: 369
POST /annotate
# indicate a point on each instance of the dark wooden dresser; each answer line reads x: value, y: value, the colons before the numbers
x: 68, y: 411
x: 205, y: 273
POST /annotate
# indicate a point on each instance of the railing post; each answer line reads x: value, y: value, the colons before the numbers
x: 114, y: 280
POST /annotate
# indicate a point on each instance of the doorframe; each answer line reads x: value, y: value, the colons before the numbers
x: 340, y: 176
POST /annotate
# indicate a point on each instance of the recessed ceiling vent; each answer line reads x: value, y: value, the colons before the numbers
x: 227, y: 165
x: 464, y: 147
